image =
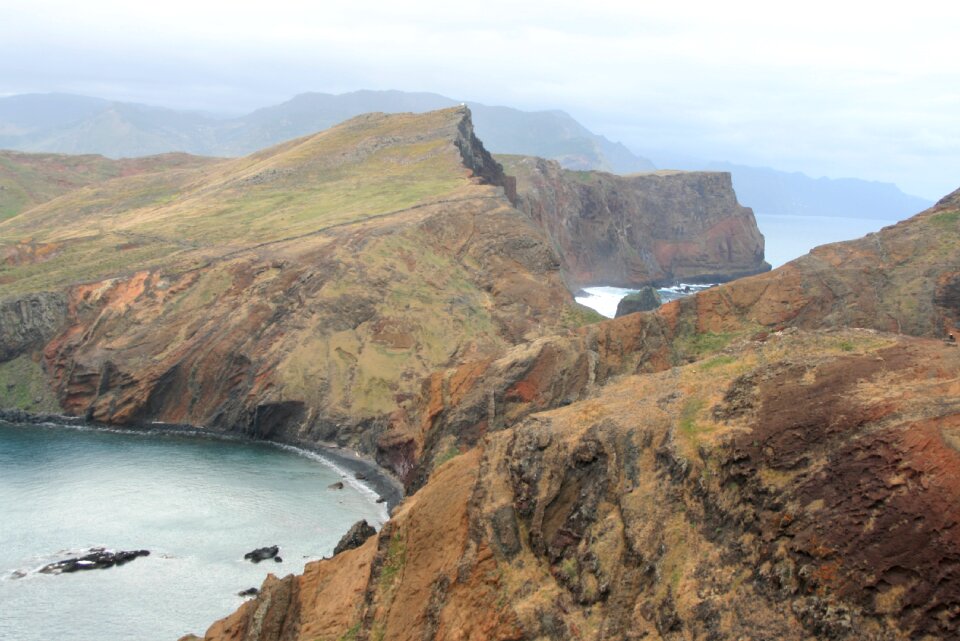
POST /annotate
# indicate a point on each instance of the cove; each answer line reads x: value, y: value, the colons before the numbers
x: 197, y: 504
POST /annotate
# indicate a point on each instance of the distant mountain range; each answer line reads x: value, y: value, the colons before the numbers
x: 65, y: 123
x: 769, y: 191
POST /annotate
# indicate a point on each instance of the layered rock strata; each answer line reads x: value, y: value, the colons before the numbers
x: 644, y: 229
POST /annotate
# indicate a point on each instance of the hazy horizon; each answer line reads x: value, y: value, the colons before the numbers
x: 827, y: 90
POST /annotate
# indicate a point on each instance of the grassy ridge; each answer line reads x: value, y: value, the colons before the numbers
x: 365, y: 168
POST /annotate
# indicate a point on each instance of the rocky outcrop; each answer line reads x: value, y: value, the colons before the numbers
x: 644, y: 229
x: 262, y: 554
x: 97, y: 559
x: 796, y: 486
x: 358, y: 533
x: 646, y: 300
x: 901, y: 280
x: 28, y: 322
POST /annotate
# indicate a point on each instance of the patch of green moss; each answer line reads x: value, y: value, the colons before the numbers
x: 23, y: 385
x: 946, y: 220
x: 351, y: 634
x: 688, y: 416
x: 717, y: 361
x: 578, y: 315
x: 393, y: 564
x: 445, y: 456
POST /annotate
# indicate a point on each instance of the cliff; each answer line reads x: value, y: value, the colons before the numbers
x: 643, y: 229
x: 299, y: 294
x: 904, y: 279
x: 717, y: 469
x: 797, y: 487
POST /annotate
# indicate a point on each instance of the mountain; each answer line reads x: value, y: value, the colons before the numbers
x: 303, y: 293
x: 796, y: 194
x: 74, y: 124
x: 772, y: 192
x: 765, y: 459
x: 79, y: 125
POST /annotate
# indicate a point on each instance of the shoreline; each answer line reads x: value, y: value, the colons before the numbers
x: 380, y: 481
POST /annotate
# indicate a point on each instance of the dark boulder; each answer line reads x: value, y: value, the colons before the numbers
x: 248, y: 592
x: 647, y: 299
x: 98, y: 559
x: 355, y: 537
x: 262, y: 554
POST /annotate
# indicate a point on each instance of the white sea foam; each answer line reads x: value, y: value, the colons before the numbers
x: 347, y: 477
x: 605, y: 299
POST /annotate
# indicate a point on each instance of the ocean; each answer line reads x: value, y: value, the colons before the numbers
x: 786, y: 238
x: 197, y: 504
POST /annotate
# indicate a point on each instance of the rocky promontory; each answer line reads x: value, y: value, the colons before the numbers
x: 644, y: 229
x: 744, y: 463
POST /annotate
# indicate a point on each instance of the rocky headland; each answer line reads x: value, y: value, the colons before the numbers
x: 656, y: 228
x: 765, y: 460
x: 772, y: 458
x: 302, y: 294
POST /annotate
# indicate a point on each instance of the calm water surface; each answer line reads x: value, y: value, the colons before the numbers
x: 198, y: 505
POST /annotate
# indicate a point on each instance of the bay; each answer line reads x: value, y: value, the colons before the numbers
x: 197, y: 504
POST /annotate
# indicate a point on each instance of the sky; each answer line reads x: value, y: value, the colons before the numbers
x: 838, y: 89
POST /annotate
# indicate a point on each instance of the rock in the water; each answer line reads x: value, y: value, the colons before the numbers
x: 647, y: 299
x: 249, y: 592
x: 355, y: 536
x: 336, y: 486
x: 262, y: 554
x: 98, y: 559
x: 278, y: 559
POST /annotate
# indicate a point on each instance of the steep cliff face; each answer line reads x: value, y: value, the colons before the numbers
x: 903, y: 279
x: 642, y: 229
x: 300, y: 294
x: 798, y: 486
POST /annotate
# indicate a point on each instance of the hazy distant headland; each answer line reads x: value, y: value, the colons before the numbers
x: 65, y: 123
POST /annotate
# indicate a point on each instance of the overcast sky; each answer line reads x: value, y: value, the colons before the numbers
x: 833, y: 88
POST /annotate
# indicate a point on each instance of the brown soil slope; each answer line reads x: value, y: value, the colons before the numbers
x: 804, y: 486
x: 650, y: 228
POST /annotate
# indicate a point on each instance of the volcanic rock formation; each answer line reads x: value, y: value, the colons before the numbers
x: 706, y: 471
x: 644, y: 229
x: 301, y: 294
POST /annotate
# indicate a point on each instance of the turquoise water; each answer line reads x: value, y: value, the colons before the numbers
x: 198, y: 505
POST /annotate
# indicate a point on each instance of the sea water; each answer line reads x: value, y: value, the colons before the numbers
x: 197, y: 504
x: 789, y: 237
x: 786, y: 238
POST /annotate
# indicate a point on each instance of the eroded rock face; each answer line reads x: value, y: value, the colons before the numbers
x: 701, y: 502
x: 358, y: 533
x: 643, y: 229
x: 28, y: 322
x: 901, y: 279
x: 319, y: 326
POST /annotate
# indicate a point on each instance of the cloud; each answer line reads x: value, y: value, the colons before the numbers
x: 835, y: 88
